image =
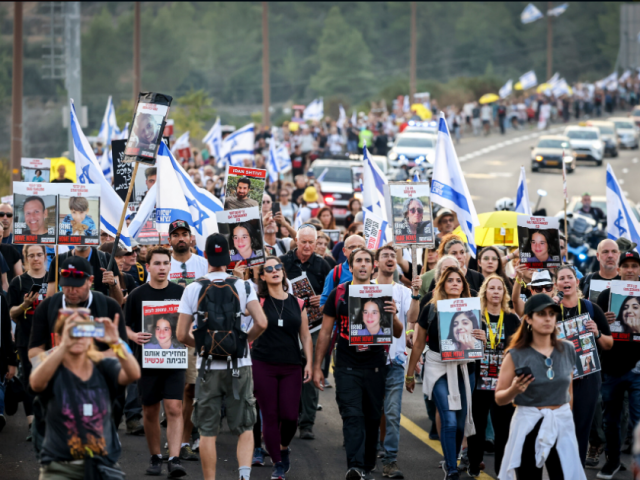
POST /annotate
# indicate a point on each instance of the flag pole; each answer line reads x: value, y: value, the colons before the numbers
x: 414, y: 261
x: 564, y: 194
x: 122, y: 217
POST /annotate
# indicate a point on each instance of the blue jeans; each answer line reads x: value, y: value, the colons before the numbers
x: 132, y: 404
x: 613, y: 389
x: 392, y: 411
x: 352, y: 146
x: 452, y: 430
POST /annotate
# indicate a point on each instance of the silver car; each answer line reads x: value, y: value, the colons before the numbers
x: 628, y: 134
x: 413, y: 148
x: 586, y: 142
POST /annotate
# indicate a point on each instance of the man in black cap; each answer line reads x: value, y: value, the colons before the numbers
x: 241, y: 414
x: 184, y: 264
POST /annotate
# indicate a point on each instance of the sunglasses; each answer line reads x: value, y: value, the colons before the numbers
x: 66, y: 273
x: 548, y: 362
x: 414, y: 210
x: 4, y: 214
x: 272, y: 268
x: 546, y: 288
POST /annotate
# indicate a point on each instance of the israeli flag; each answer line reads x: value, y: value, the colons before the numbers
x: 273, y: 166
x: 373, y: 186
x: 557, y: 11
x: 89, y: 171
x: 181, y: 143
x: 124, y: 135
x: 342, y: 118
x: 322, y: 175
x: 283, y: 158
x: 109, y: 128
x: 106, y: 164
x: 553, y: 80
x: 560, y: 88
x: 522, y: 196
x: 621, y: 222
x: 213, y: 139
x: 528, y: 80
x: 197, y: 206
x: 530, y: 14
x: 237, y: 146
x: 448, y: 186
x: 506, y: 89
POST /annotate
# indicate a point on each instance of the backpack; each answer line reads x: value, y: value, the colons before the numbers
x: 587, y: 284
x: 218, y: 331
x: 281, y: 246
x: 337, y: 273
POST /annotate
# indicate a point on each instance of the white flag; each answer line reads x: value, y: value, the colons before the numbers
x: 273, y: 166
x: 213, y: 139
x: 557, y: 11
x: 314, y: 111
x: 621, y: 222
x: 181, y: 143
x: 528, y: 80
x: 342, y: 119
x: 109, y: 128
x: 237, y: 146
x: 506, y: 89
x: 522, y: 196
x: 530, y: 14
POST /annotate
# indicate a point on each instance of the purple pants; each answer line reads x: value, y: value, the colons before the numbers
x: 277, y: 387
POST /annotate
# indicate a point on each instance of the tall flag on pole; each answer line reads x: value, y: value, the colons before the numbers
x: 373, y: 182
x: 621, y: 222
x: 145, y: 209
x: 315, y: 110
x: 108, y: 131
x: 237, y: 146
x: 273, y: 166
x: 530, y: 14
x: 181, y: 144
x: 506, y: 89
x: 522, y: 196
x: 564, y: 180
x: 213, y: 139
x: 342, y: 118
x: 89, y: 171
x: 416, y: 177
x: 557, y: 11
x: 528, y: 80
x: 448, y: 186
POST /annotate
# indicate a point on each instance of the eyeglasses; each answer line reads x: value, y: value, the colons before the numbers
x: 546, y: 288
x: 548, y: 362
x: 4, y: 214
x: 66, y: 273
x: 271, y: 268
x: 414, y: 210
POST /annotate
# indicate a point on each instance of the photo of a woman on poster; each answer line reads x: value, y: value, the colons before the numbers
x: 542, y: 245
x: 245, y: 240
x: 413, y: 212
x: 38, y: 176
x: 372, y: 317
x: 163, y: 334
x: 461, y: 330
x: 629, y: 315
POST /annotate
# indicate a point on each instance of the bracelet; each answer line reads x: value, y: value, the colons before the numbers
x: 409, y: 332
x: 416, y: 297
x: 409, y: 378
x: 599, y: 334
x: 120, y: 348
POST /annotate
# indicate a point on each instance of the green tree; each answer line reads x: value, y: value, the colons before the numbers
x: 191, y: 112
x: 344, y: 58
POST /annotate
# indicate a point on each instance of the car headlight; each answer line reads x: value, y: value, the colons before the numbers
x: 393, y: 155
x: 568, y: 159
x: 419, y: 159
x: 539, y: 158
x: 597, y: 145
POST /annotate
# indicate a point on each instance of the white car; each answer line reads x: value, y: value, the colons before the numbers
x: 628, y: 134
x: 413, y: 148
x: 586, y: 142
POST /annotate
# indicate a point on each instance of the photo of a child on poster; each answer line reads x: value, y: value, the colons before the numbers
x: 160, y: 319
x: 412, y: 221
x: 369, y: 323
x: 35, y: 213
x: 587, y: 360
x: 246, y: 245
x: 625, y: 304
x: 79, y: 214
x: 539, y: 241
x: 36, y: 170
x: 457, y: 319
x: 302, y: 289
x: 244, y: 188
x: 148, y: 124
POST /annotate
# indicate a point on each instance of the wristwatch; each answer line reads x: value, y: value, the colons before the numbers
x: 416, y: 297
x: 599, y: 334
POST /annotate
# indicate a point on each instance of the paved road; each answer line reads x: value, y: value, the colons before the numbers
x: 491, y: 174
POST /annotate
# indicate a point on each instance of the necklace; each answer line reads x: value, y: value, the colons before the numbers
x: 280, y: 320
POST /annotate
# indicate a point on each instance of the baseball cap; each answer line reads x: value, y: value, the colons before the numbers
x: 632, y: 255
x: 177, y: 224
x: 74, y: 271
x: 538, y: 303
x: 539, y: 278
x: 217, y: 250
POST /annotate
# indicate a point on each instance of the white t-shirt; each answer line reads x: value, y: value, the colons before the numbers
x: 285, y: 241
x: 189, y: 306
x: 402, y: 297
x: 196, y: 267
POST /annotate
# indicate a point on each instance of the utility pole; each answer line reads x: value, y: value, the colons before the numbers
x: 16, y: 96
x: 549, y: 42
x: 74, y: 64
x: 266, y: 87
x: 136, y: 51
x: 412, y: 67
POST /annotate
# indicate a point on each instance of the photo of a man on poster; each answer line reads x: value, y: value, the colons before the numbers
x: 35, y: 210
x: 146, y: 131
x: 239, y: 198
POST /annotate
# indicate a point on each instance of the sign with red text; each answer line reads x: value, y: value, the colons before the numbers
x: 539, y: 241
x: 35, y: 170
x: 409, y: 205
x: 78, y: 214
x: 624, y: 302
x: 302, y: 289
x: 457, y: 320
x: 373, y: 230
x: 369, y: 323
x: 575, y: 331
x: 163, y: 350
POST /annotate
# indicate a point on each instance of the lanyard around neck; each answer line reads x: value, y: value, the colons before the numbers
x: 498, y: 334
x: 562, y: 308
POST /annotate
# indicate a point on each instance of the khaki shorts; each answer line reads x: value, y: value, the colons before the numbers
x: 241, y: 414
x: 192, y: 372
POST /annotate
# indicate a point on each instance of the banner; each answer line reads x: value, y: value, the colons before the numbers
x: 369, y: 324
x: 456, y: 321
x: 410, y: 207
x: 575, y: 330
x: 36, y: 170
x: 244, y: 187
x: 596, y: 287
x: 625, y: 304
x: 539, y: 241
x: 148, y: 126
x: 334, y: 235
x: 123, y: 171
x: 374, y: 228
x: 160, y: 319
x: 302, y: 289
x: 35, y: 216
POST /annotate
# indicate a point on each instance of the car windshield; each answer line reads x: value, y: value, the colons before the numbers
x: 624, y: 125
x: 636, y: 113
x: 414, y: 142
x: 334, y: 174
x: 553, y: 144
x: 582, y: 135
x: 606, y: 130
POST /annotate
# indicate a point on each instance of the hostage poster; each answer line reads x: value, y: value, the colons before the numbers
x: 79, y: 214
x: 244, y: 188
x: 163, y: 350
x: 369, y: 324
x: 625, y: 304
x: 302, y: 289
x: 410, y: 207
x: 36, y: 170
x: 539, y: 241
x: 246, y: 245
x: 147, y: 128
x: 457, y: 319
x: 575, y: 331
x: 35, y: 213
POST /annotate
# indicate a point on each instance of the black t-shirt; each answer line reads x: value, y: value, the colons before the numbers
x: 474, y: 279
x: 94, y: 260
x: 64, y: 180
x: 43, y: 324
x: 12, y: 257
x: 78, y: 414
x: 488, y: 368
x: 315, y: 267
x: 279, y: 343
x: 18, y: 288
x: 623, y: 356
x: 7, y: 348
x: 133, y: 311
x: 373, y: 356
x: 129, y: 284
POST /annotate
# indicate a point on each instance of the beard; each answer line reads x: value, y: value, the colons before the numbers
x: 181, y: 247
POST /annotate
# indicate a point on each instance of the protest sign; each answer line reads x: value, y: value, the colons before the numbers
x: 410, y: 207
x: 245, y: 237
x: 36, y: 170
x: 596, y: 287
x: 302, y: 289
x: 456, y: 321
x: 123, y: 171
x: 35, y: 213
x: 334, y: 235
x: 147, y: 127
x: 244, y: 187
x: 539, y: 241
x: 369, y: 324
x: 491, y: 362
x: 160, y: 319
x: 574, y: 330
x: 79, y: 214
x: 356, y: 177
x: 373, y: 230
x: 624, y: 302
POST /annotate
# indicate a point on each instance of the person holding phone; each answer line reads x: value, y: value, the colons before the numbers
x: 536, y: 376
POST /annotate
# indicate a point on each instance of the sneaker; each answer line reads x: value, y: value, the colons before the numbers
x: 175, y: 469
x: 453, y: 476
x: 443, y: 466
x: 196, y: 445
x: 319, y: 408
x: 258, y: 457
x: 368, y: 475
x: 307, y: 434
x: 391, y: 470
x: 354, y: 474
x: 286, y: 459
x: 609, y: 470
x: 463, y: 463
x: 278, y: 472
x: 3, y: 422
x: 135, y: 427
x: 155, y: 466
x: 593, y: 456
x: 327, y: 384
x: 473, y: 473
x: 489, y: 447
x: 187, y: 453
